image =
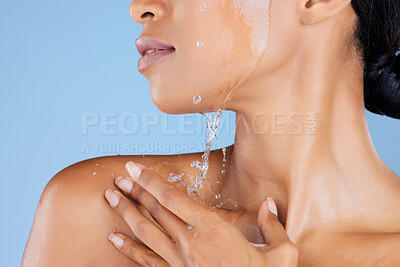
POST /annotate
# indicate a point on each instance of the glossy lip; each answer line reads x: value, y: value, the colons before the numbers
x: 145, y: 43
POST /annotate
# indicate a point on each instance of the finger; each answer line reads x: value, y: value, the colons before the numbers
x: 166, y: 219
x: 135, y: 251
x: 146, y: 214
x: 271, y: 228
x: 168, y: 195
x: 142, y: 228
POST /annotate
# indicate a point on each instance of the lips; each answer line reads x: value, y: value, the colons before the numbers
x: 151, y: 51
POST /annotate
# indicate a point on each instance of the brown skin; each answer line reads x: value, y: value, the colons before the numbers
x: 336, y: 198
x: 191, y: 233
x: 73, y: 214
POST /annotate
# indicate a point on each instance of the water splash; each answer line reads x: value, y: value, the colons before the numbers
x: 195, y: 164
x: 194, y: 182
x: 173, y: 177
x: 212, y: 122
x: 183, y: 179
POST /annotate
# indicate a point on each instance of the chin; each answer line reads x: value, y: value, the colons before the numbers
x: 177, y: 102
x: 169, y: 100
x: 168, y: 108
x: 174, y: 96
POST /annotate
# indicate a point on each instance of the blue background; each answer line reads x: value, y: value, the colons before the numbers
x: 60, y: 60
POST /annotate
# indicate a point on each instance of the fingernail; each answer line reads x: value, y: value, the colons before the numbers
x: 116, y: 239
x: 272, y: 206
x: 133, y: 169
x: 125, y: 184
x: 112, y: 198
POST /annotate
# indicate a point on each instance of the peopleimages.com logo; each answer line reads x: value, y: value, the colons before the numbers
x: 150, y: 147
x: 277, y: 123
x: 111, y: 125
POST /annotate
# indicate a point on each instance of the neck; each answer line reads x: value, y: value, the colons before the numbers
x: 305, y: 142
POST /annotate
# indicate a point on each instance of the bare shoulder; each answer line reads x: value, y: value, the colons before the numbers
x: 73, y: 219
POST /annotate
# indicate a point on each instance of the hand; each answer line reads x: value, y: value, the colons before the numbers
x: 183, y: 232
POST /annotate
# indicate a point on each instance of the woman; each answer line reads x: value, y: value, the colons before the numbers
x: 298, y: 73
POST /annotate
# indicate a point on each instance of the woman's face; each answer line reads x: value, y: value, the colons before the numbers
x: 218, y: 45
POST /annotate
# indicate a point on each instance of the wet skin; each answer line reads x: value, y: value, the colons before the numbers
x: 74, y: 207
x: 336, y: 198
x: 73, y: 220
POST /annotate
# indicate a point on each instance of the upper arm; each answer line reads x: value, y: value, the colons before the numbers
x: 72, y: 223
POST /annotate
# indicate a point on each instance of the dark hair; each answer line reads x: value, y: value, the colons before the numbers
x: 378, y: 36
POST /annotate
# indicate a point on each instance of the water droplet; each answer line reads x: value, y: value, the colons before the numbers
x: 112, y: 174
x: 94, y: 173
x: 195, y: 164
x: 183, y: 180
x: 223, y: 171
x: 190, y: 227
x: 196, y: 99
x: 218, y: 182
x: 143, y: 156
x: 203, y: 7
x: 200, y: 43
x: 224, y: 153
x: 173, y: 177
x: 97, y: 164
x: 217, y: 195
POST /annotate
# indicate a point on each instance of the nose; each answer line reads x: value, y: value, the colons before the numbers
x: 144, y: 10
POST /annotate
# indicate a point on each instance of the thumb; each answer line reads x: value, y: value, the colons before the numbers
x: 271, y: 228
